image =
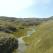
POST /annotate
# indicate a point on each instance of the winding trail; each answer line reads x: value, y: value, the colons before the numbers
x: 21, y: 42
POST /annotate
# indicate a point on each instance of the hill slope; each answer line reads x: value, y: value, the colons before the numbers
x: 42, y: 39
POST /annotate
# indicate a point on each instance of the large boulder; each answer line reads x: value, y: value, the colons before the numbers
x: 8, y: 43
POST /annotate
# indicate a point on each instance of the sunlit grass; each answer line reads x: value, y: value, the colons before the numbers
x: 42, y: 40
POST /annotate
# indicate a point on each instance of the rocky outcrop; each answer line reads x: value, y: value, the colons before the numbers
x: 8, y: 43
x: 8, y: 29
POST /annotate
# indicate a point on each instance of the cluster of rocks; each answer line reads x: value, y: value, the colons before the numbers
x: 8, y: 43
x: 8, y: 29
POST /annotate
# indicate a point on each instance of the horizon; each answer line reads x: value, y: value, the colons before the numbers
x: 25, y: 17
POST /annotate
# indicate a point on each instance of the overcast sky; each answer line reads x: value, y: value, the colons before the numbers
x: 26, y: 8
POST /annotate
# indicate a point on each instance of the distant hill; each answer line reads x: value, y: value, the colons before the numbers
x: 19, y: 25
x: 26, y: 21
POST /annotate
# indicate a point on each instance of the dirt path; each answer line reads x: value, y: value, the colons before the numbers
x: 21, y: 44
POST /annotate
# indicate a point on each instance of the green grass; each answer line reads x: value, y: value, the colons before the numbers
x: 28, y: 40
x: 42, y: 39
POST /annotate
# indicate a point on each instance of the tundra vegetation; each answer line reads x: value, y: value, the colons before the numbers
x: 35, y: 32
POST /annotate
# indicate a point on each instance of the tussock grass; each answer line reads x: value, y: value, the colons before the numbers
x: 42, y: 39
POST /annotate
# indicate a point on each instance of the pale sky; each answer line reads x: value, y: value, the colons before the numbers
x: 26, y: 8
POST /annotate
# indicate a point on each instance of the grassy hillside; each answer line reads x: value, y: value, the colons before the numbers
x: 18, y: 26
x: 42, y: 39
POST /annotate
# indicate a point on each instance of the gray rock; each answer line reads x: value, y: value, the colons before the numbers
x: 8, y: 29
x: 7, y: 43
